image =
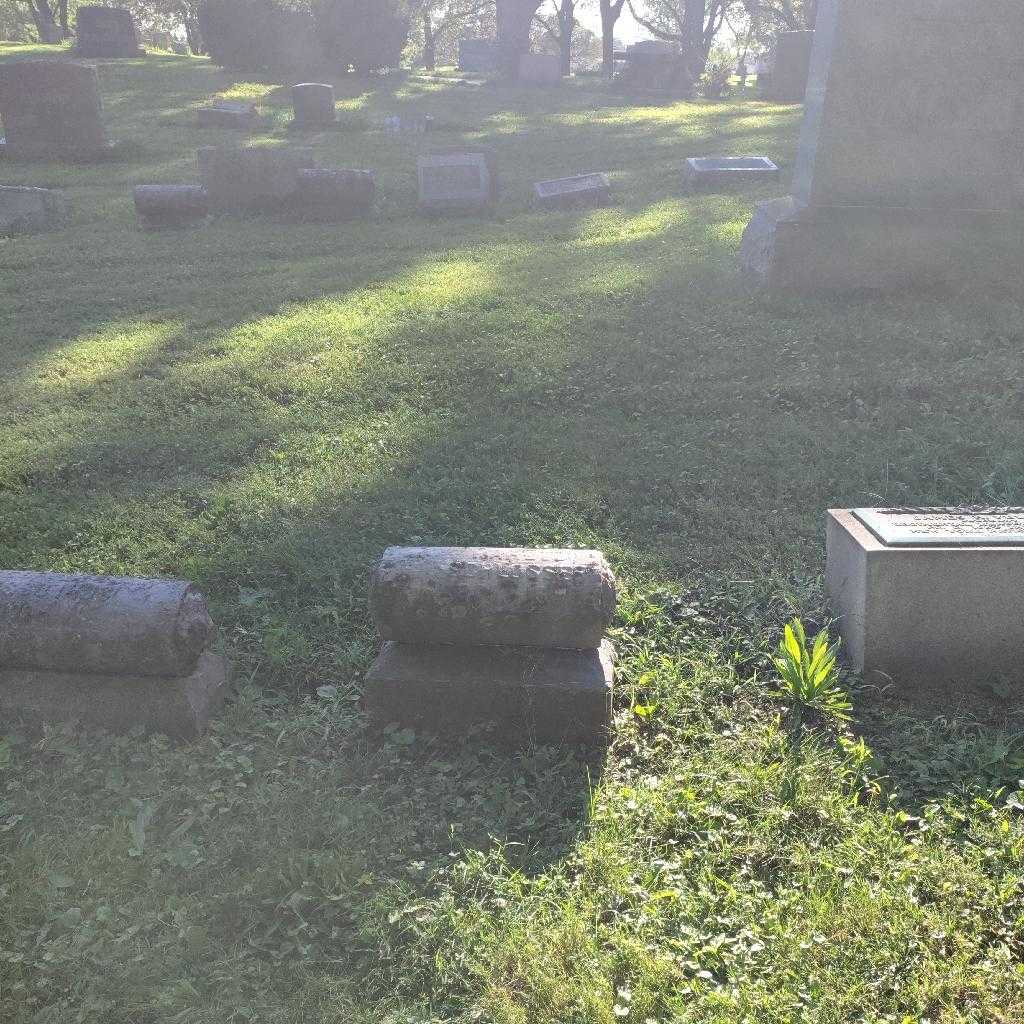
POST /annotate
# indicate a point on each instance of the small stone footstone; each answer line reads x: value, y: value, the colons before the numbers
x: 929, y: 599
x: 106, y: 32
x: 792, y: 64
x: 313, y: 104
x: 540, y: 69
x: 170, y: 206
x: 251, y: 178
x: 51, y: 110
x: 25, y: 210
x: 457, y: 181
x: 235, y: 114
x: 580, y: 190
x: 536, y: 694
x: 709, y: 171
x: 325, y: 195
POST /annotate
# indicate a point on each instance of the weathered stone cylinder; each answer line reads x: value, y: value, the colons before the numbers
x: 531, y: 597
x: 101, y: 624
x: 313, y: 103
x: 169, y: 206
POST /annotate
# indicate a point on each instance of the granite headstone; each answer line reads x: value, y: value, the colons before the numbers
x: 106, y: 32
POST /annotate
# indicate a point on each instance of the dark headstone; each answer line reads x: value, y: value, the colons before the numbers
x: 235, y: 114
x: 710, y: 171
x: 333, y: 195
x: 480, y: 56
x: 26, y: 210
x: 106, y: 32
x: 244, y: 178
x: 313, y: 104
x: 580, y: 190
x: 788, y: 82
x: 170, y: 206
x: 51, y: 111
x: 909, y: 168
x: 540, y: 69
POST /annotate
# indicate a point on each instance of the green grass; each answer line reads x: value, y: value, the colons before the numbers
x: 263, y: 407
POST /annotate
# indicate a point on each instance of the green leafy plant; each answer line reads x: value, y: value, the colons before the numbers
x: 809, y: 675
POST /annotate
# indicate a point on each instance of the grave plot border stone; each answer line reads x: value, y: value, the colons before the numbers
x: 592, y: 189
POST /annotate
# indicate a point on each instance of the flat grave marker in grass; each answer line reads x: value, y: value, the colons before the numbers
x: 454, y: 181
x: 234, y: 114
x: 709, y: 171
x: 909, y: 164
x: 930, y: 598
x: 578, y: 190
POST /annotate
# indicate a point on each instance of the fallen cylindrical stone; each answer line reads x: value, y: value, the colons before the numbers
x: 170, y: 206
x: 532, y: 694
x: 180, y: 707
x: 332, y: 195
x: 313, y: 103
x: 101, y: 624
x: 531, y: 597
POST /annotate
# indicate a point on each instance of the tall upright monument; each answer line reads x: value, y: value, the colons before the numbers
x: 910, y: 167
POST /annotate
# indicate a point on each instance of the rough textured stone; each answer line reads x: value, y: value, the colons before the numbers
x: 179, y: 707
x: 245, y: 178
x: 579, y: 190
x: 25, y: 210
x: 51, y: 111
x: 540, y: 69
x: 710, y: 171
x: 234, y: 114
x: 313, y: 104
x: 521, y: 596
x: 457, y: 180
x: 333, y: 195
x: 903, y: 133
x: 927, y: 617
x: 101, y: 624
x: 544, y: 695
x: 791, y: 67
x: 106, y: 32
x: 170, y: 206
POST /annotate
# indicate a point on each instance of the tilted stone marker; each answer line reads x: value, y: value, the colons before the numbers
x: 507, y: 635
x: 326, y: 195
x: 480, y: 56
x: 540, y: 69
x: 170, y: 206
x: 106, y: 32
x: 579, y: 190
x: 313, y: 104
x: 910, y: 167
x: 237, y: 115
x: 51, y: 110
x: 710, y: 171
x: 457, y: 181
x: 25, y: 210
x: 792, y: 65
x: 113, y: 652
x: 251, y: 178
x: 930, y: 597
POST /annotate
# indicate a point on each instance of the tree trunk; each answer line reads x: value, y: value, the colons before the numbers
x: 46, y: 25
x: 514, y: 20
x: 566, y: 25
x: 63, y: 18
x: 694, y: 52
x: 429, y: 42
x: 609, y: 16
x: 193, y: 36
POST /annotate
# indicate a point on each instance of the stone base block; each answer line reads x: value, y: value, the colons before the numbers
x: 324, y: 196
x: 939, y: 619
x: 533, y: 694
x: 170, y: 206
x: 25, y: 210
x: 179, y: 707
x: 792, y: 248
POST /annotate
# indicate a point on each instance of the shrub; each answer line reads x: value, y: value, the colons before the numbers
x: 259, y: 35
x: 365, y: 34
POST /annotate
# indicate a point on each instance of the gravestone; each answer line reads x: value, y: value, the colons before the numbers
x: 162, y: 40
x: 236, y: 114
x: 709, y: 171
x: 313, y: 104
x: 910, y: 167
x: 540, y: 69
x: 929, y: 597
x: 170, y: 206
x: 106, y: 32
x: 457, y: 181
x: 25, y: 210
x: 579, y: 190
x: 325, y: 195
x: 791, y: 67
x: 251, y: 178
x: 479, y: 56
x: 51, y: 111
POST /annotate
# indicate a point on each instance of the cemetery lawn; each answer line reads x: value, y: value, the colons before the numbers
x: 263, y: 407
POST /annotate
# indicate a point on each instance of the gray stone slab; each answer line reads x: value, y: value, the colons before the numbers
x: 313, y: 104
x: 327, y: 195
x: 170, y: 206
x: 240, y: 179
x: 180, y: 707
x: 455, y: 182
x: 944, y: 619
x: 51, y: 110
x: 532, y: 694
x: 710, y: 171
x: 25, y: 210
x: 944, y: 527
x: 106, y: 32
x: 791, y: 67
x: 535, y: 597
x: 480, y: 56
x: 579, y: 190
x: 540, y: 69
x: 233, y: 114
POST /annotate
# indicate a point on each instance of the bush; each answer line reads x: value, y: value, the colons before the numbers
x: 365, y: 34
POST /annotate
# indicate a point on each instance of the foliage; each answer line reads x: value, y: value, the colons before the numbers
x: 714, y: 83
x: 809, y: 676
x: 366, y: 35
